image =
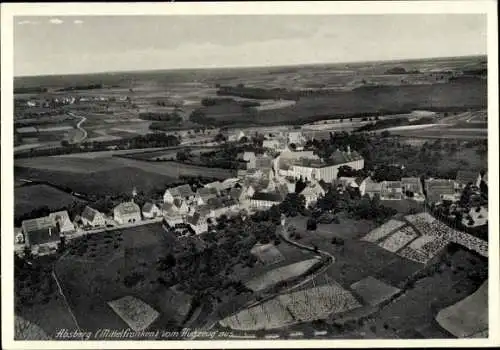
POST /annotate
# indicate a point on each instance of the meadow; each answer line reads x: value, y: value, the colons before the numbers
x: 30, y: 197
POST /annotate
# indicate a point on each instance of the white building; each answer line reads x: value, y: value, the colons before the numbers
x: 182, y: 192
x: 92, y: 217
x: 265, y: 200
x: 312, y: 192
x: 197, y: 223
x: 127, y: 212
x: 296, y: 137
x: 150, y: 211
x: 62, y: 220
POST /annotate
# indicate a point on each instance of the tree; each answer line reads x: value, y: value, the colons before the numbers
x: 311, y: 224
x: 293, y: 204
x: 219, y: 138
x: 385, y: 134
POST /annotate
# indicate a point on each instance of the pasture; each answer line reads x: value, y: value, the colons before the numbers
x: 117, y: 181
x: 475, y: 306
x: 458, y: 275
x: 29, y: 198
x: 373, y: 291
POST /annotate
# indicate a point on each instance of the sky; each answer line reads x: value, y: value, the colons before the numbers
x: 87, y: 44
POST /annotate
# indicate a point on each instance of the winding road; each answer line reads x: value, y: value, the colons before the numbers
x: 79, y: 127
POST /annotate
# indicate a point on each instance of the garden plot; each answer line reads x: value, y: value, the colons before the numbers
x: 399, y: 239
x: 136, y: 313
x: 424, y: 248
x: 374, y: 291
x: 319, y: 302
x: 383, y: 231
x: 267, y: 253
x: 281, y: 274
x: 470, y: 242
x: 468, y: 317
x: 268, y: 315
x: 426, y: 224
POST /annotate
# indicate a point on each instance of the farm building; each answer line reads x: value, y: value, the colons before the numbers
x: 237, y: 194
x: 227, y: 184
x: 183, y: 192
x: 249, y: 159
x: 265, y: 200
x: 391, y: 190
x: 92, y: 217
x: 263, y: 162
x: 197, y: 223
x: 412, y: 185
x: 172, y: 217
x: 40, y: 231
x: 296, y: 137
x: 220, y: 206
x: 312, y: 192
x: 62, y: 221
x: 127, y: 212
x: 204, y: 194
x: 440, y: 189
x: 466, y: 177
x: 370, y: 187
x: 150, y: 210
x: 217, y: 185
x: 274, y: 144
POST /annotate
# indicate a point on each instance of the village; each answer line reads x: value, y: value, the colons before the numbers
x: 263, y: 181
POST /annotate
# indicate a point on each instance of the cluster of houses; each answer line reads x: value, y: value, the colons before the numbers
x: 70, y: 100
x: 265, y: 181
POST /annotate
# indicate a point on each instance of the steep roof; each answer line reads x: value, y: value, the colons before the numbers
x: 437, y: 187
x: 235, y: 193
x: 372, y: 186
x: 185, y: 191
x: 194, y: 219
x: 37, y: 224
x: 267, y: 196
x: 127, y: 208
x: 89, y: 213
x: 148, y: 207
x: 207, y: 192
x: 62, y: 216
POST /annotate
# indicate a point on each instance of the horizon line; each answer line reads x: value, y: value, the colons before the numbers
x: 248, y: 67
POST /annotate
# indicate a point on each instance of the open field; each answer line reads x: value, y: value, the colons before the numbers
x: 457, y: 276
x: 114, y: 266
x: 373, y: 291
x: 280, y: 274
x: 267, y: 253
x: 28, y: 198
x: 116, y: 181
x: 287, y: 309
x: 469, y: 316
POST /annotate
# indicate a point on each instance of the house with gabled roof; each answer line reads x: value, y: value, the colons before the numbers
x: 203, y: 194
x: 312, y: 192
x: 197, y: 223
x: 62, y: 221
x: 150, y: 210
x: 172, y: 217
x: 92, y: 217
x: 127, y: 212
x: 370, y: 188
x: 40, y: 231
x: 391, y: 190
x: 439, y: 190
x: 183, y: 192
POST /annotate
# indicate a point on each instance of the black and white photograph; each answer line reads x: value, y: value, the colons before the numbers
x: 171, y: 176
